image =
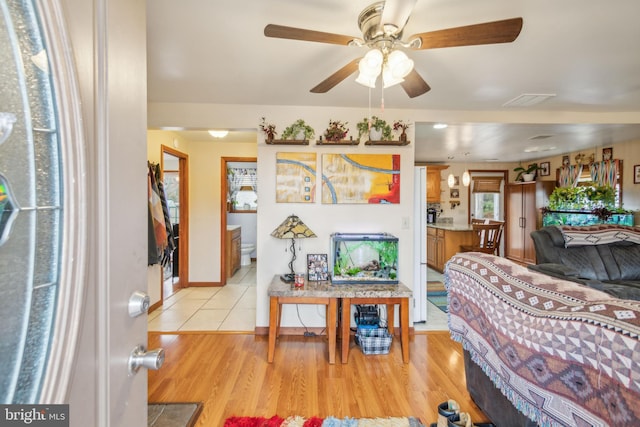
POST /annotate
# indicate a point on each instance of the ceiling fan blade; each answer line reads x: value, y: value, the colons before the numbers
x: 504, y: 31
x: 335, y: 78
x: 282, y: 32
x: 414, y: 84
x: 395, y: 15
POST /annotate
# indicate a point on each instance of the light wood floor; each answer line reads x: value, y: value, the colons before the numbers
x: 229, y: 373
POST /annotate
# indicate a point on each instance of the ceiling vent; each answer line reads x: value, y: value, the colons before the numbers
x: 528, y: 99
x: 537, y: 137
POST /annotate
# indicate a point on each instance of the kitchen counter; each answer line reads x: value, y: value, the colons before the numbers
x: 450, y: 227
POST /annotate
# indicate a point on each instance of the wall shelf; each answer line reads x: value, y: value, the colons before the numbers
x: 340, y: 142
x: 288, y: 142
x: 396, y: 143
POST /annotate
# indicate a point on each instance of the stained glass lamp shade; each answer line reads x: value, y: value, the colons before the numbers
x: 292, y: 228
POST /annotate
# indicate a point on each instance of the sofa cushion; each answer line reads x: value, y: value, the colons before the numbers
x: 586, y: 261
x: 628, y: 260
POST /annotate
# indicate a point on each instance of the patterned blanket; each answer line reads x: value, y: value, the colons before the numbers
x: 562, y: 353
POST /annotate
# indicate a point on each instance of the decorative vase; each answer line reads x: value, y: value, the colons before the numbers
x: 375, y: 134
x: 528, y: 177
x: 403, y: 136
x: 299, y: 136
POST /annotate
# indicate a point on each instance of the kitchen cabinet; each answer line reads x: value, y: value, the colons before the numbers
x: 233, y: 246
x: 523, y: 201
x: 443, y: 243
x: 434, y: 180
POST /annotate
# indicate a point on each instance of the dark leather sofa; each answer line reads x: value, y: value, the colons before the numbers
x: 605, y: 257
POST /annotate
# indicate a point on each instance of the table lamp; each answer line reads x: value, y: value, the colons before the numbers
x: 292, y: 228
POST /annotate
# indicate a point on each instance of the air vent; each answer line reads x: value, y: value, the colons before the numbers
x: 537, y: 137
x: 528, y: 99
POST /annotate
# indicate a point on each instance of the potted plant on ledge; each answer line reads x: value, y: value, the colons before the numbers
x: 268, y: 129
x: 401, y: 126
x: 528, y: 174
x: 376, y: 128
x: 336, y: 131
x: 299, y: 130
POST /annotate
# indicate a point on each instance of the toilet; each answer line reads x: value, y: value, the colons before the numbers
x: 245, y: 253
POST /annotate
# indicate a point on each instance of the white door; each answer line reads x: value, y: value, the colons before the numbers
x: 420, y: 244
x: 73, y: 212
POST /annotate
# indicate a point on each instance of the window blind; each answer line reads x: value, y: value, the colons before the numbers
x: 486, y: 184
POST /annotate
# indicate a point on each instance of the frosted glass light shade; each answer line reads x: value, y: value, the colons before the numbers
x: 399, y: 64
x: 451, y: 180
x: 466, y: 178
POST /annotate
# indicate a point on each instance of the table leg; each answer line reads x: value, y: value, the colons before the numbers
x: 274, y: 323
x: 345, y: 318
x: 391, y: 318
x: 404, y: 326
x: 331, y: 328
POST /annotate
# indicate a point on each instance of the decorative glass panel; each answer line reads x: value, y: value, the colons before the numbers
x: 30, y: 203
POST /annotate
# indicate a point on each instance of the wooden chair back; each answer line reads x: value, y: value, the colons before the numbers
x: 486, y: 237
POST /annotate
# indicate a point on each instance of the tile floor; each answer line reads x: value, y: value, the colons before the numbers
x: 228, y: 308
x: 233, y: 308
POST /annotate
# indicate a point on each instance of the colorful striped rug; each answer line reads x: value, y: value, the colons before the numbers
x: 296, y: 421
x: 437, y: 295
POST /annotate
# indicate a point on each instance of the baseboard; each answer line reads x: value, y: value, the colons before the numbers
x: 264, y: 330
x: 154, y: 306
x: 204, y: 284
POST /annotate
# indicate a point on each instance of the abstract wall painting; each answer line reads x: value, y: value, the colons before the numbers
x: 361, y: 178
x: 295, y: 177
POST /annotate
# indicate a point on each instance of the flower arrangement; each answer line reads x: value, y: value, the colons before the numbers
x: 268, y: 129
x: 402, y: 127
x: 297, y: 127
x: 376, y: 123
x: 336, y: 131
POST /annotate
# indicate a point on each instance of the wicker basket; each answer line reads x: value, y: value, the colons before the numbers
x: 373, y: 340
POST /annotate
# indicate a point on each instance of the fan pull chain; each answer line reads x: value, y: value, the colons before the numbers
x: 382, y: 99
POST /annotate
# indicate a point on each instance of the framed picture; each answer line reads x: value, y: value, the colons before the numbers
x: 545, y: 169
x: 317, y: 267
x: 607, y: 154
x: 636, y: 174
x: 454, y: 193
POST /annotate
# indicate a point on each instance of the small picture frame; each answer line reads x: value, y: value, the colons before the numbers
x: 456, y: 181
x: 454, y: 193
x: 636, y: 174
x: 607, y: 154
x: 545, y: 169
x: 317, y: 267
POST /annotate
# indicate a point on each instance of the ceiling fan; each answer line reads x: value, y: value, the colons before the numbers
x: 382, y: 24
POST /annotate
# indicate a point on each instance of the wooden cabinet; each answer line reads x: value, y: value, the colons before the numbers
x: 433, y: 182
x: 522, y: 216
x: 233, y: 246
x: 443, y: 244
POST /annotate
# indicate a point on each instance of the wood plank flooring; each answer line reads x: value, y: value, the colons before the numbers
x: 229, y: 373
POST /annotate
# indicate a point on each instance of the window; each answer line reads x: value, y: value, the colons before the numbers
x: 486, y: 197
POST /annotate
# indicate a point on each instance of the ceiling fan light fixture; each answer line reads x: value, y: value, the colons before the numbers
x: 389, y: 79
x: 367, y: 80
x: 399, y: 64
x: 372, y: 60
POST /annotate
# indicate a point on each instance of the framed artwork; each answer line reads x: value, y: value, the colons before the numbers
x: 565, y: 161
x: 545, y: 169
x: 361, y: 178
x: 456, y: 181
x: 454, y: 193
x: 636, y: 174
x: 295, y: 177
x: 607, y: 154
x: 317, y: 267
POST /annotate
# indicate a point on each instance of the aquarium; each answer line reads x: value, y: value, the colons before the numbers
x: 583, y: 218
x: 369, y: 258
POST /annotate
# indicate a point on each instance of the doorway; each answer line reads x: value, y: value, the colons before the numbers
x: 174, y: 165
x: 243, y: 214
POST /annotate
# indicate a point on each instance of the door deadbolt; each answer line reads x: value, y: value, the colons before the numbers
x: 141, y: 358
x: 138, y: 303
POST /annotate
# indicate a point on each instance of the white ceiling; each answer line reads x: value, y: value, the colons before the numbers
x: 585, y: 52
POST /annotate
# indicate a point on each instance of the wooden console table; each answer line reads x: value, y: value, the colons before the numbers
x: 312, y: 293
x: 328, y: 294
x: 375, y: 294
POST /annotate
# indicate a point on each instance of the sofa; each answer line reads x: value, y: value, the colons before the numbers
x: 541, y: 350
x: 605, y: 257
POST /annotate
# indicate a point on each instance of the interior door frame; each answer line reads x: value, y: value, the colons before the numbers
x: 505, y: 177
x: 183, y: 227
x: 223, y: 211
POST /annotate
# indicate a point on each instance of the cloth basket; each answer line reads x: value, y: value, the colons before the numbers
x: 373, y: 340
